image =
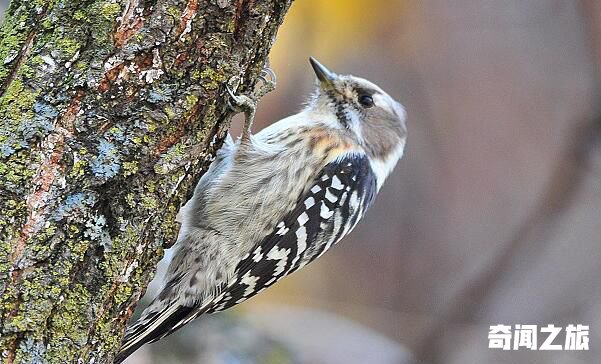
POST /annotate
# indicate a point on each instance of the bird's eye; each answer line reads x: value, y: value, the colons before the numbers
x: 366, y: 101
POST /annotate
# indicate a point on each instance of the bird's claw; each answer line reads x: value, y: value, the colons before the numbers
x: 268, y: 77
x: 239, y: 103
x: 243, y: 103
x: 268, y: 82
x: 248, y: 104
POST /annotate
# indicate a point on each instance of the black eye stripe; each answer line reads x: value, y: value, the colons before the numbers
x: 340, y: 111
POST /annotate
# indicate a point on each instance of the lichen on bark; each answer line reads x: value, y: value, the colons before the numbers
x: 104, y: 105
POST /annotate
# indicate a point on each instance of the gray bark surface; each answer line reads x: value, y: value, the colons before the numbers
x: 110, y: 112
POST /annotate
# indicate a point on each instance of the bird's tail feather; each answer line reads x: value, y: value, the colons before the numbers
x: 151, y: 327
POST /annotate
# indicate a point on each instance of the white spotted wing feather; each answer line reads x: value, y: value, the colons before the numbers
x: 328, y: 211
x: 325, y: 213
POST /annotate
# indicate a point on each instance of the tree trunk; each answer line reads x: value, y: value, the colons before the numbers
x: 111, y: 110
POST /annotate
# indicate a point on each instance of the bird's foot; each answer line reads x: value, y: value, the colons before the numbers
x: 268, y: 83
x: 243, y: 103
x: 248, y: 103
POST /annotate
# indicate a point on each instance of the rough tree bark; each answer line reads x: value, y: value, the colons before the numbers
x: 110, y: 110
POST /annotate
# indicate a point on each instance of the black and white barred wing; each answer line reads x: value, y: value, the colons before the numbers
x: 329, y: 210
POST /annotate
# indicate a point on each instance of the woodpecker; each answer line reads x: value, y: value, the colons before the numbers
x: 274, y: 201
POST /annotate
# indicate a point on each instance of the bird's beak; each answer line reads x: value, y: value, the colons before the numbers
x: 325, y: 76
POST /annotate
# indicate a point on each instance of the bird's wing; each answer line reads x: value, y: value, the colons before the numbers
x: 326, y: 212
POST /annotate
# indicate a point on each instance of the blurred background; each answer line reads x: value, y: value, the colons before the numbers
x: 492, y: 217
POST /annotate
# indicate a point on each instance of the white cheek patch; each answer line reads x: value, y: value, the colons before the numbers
x: 355, y: 122
x: 384, y: 102
x: 382, y: 168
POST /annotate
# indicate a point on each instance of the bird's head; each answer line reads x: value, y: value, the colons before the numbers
x: 363, y: 110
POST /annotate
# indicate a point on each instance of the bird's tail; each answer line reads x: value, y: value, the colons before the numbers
x: 151, y: 327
